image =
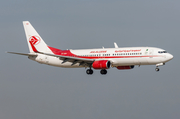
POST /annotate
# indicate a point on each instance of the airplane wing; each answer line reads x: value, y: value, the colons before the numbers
x: 74, y: 60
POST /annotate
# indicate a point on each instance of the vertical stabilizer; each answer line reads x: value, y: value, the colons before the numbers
x: 33, y: 38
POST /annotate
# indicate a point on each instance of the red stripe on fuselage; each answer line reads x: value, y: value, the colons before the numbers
x: 55, y: 50
x: 61, y: 52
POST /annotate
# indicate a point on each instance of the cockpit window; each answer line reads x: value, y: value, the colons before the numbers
x: 162, y: 51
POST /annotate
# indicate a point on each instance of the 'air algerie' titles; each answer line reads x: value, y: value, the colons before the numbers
x: 103, y: 51
x: 127, y: 50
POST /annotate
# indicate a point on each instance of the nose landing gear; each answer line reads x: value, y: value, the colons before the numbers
x: 157, y: 69
x: 160, y: 64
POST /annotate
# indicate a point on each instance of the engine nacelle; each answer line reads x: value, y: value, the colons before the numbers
x: 101, y: 64
x: 125, y: 67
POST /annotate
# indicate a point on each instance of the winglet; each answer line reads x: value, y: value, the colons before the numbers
x: 115, y: 45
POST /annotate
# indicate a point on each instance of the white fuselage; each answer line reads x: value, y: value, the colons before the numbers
x: 117, y: 56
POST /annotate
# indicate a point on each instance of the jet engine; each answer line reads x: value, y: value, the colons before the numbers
x: 101, y: 64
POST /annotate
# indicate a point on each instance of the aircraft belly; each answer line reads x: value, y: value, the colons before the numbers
x: 143, y: 61
x: 124, y: 61
x: 154, y: 60
x: 130, y: 61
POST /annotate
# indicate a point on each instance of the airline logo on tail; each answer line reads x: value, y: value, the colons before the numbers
x: 34, y: 40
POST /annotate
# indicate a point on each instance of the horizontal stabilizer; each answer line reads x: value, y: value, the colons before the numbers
x: 29, y: 54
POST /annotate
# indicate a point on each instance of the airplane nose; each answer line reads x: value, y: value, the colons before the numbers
x: 170, y: 57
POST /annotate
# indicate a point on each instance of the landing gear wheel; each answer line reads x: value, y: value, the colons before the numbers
x: 157, y: 69
x: 89, y: 71
x: 103, y: 71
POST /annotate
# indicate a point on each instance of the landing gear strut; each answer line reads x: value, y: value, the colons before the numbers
x: 160, y: 64
x: 103, y: 71
x: 89, y: 71
x: 157, y: 69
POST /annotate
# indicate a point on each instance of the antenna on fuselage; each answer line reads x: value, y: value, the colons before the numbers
x: 115, y: 45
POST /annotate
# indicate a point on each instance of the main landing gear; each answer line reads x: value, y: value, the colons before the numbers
x: 103, y: 71
x: 90, y: 71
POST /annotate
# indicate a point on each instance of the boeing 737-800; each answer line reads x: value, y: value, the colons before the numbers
x: 100, y: 59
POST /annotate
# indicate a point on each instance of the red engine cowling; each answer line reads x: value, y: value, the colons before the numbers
x: 125, y: 67
x: 101, y: 64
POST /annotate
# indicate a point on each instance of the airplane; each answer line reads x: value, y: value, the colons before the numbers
x: 100, y: 59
